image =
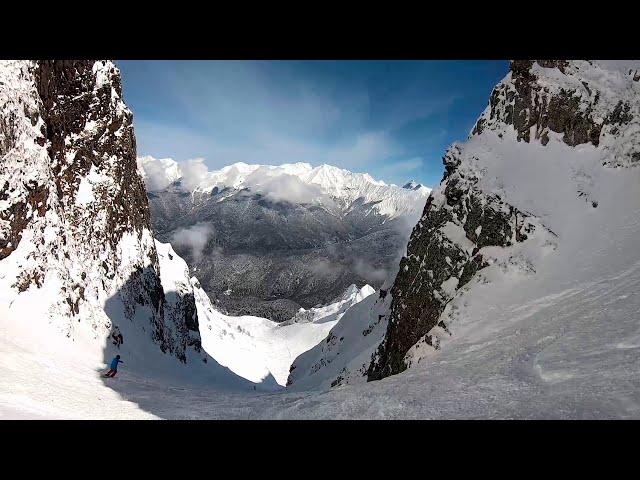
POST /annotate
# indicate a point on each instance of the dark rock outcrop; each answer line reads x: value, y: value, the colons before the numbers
x: 535, y: 100
x: 475, y: 230
x: 435, y: 266
x: 525, y: 104
x: 71, y: 98
x: 70, y: 183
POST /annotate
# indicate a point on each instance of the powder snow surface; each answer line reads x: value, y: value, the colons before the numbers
x: 253, y: 347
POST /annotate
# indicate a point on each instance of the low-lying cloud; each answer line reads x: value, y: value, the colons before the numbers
x: 156, y: 174
x: 159, y: 173
x: 370, y: 272
x: 284, y: 187
x: 272, y: 183
x: 193, y: 173
x: 195, y: 238
x: 325, y: 268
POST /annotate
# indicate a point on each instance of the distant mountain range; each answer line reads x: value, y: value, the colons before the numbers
x: 267, y: 240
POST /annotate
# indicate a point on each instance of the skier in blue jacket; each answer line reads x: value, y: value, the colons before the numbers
x: 114, y: 367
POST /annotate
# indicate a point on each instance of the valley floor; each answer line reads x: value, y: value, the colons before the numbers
x: 573, y: 354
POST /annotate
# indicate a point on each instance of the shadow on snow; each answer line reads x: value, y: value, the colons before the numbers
x: 144, y: 322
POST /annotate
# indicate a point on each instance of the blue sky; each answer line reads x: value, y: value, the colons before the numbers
x: 392, y: 119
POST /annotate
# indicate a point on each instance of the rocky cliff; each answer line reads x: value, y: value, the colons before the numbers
x: 75, y: 227
x: 577, y: 103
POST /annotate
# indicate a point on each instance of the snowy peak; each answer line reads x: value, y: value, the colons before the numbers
x: 416, y: 187
x: 158, y: 173
x: 267, y: 235
x: 298, y: 183
x: 578, y: 102
x: 412, y: 185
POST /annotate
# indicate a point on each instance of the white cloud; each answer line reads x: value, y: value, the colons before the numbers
x: 369, y: 272
x: 325, y: 268
x: 238, y: 99
x: 407, y: 165
x: 404, y: 168
x: 368, y: 148
x: 194, y: 237
x: 193, y: 173
x: 285, y: 187
x: 364, y: 149
x: 157, y: 173
x: 271, y: 113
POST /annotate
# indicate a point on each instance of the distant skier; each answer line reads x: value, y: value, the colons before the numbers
x: 114, y: 367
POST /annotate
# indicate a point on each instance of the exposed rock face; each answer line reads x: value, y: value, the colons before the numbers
x: 77, y: 94
x: 558, y: 99
x: 568, y: 100
x: 442, y: 256
x: 74, y: 217
x: 526, y: 104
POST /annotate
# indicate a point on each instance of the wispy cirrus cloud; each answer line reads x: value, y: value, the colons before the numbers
x: 408, y: 165
x: 360, y: 151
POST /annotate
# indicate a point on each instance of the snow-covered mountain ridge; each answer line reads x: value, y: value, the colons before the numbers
x: 520, y: 280
x: 325, y: 185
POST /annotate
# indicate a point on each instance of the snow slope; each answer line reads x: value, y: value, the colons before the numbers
x: 547, y: 345
x: 255, y: 347
x: 344, y: 356
x: 534, y: 173
x: 47, y: 374
x: 78, y: 262
x: 571, y: 354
